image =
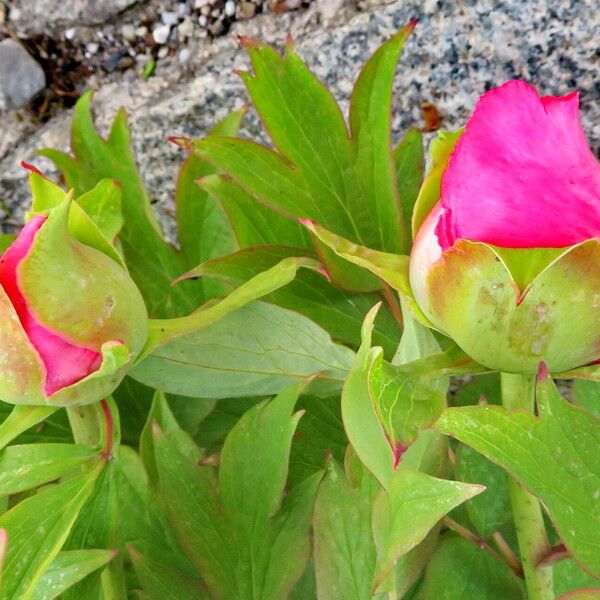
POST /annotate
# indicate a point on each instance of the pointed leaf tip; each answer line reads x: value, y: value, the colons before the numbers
x: 182, y: 142
x: 410, y: 26
x: 248, y: 42
x: 32, y: 168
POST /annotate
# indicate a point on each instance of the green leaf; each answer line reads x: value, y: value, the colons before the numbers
x: 484, y: 389
x: 340, y: 313
x: 31, y: 465
x: 254, y: 475
x: 68, y: 568
x: 554, y: 456
x: 204, y: 231
x: 21, y: 419
x: 163, y: 582
x: 37, y: 528
x: 189, y: 495
x: 142, y: 521
x: 253, y: 223
x: 227, y: 412
x: 6, y: 239
x: 587, y: 395
x: 98, y: 526
x: 160, y: 414
x: 585, y: 594
x: 165, y: 330
x: 460, y: 569
x: 257, y: 552
x: 345, y: 554
x: 408, y: 158
x: 342, y: 178
x: 259, y: 349
x: 567, y: 576
x: 383, y: 403
x: 408, y: 511
x: 153, y: 263
x: 319, y: 436
x: 491, y: 510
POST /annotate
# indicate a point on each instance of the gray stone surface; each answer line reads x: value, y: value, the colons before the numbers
x: 459, y: 50
x: 21, y: 77
x: 30, y: 17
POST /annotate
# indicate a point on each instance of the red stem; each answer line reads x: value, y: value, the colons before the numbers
x: 107, y: 451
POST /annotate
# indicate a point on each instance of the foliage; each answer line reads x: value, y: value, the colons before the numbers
x: 294, y: 426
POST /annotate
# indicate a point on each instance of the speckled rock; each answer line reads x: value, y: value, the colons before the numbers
x: 458, y: 51
x: 20, y: 76
x: 45, y: 16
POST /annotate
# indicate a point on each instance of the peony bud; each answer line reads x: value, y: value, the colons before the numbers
x: 507, y: 263
x: 72, y: 318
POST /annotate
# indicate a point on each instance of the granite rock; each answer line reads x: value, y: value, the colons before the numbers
x: 458, y: 51
x: 50, y: 16
x: 21, y: 77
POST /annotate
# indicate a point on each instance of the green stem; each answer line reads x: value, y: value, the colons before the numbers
x: 86, y: 424
x: 518, y: 393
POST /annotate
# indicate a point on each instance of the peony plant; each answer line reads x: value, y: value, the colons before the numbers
x: 337, y: 385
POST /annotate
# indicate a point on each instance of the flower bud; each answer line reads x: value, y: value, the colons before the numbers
x: 72, y: 319
x: 507, y: 263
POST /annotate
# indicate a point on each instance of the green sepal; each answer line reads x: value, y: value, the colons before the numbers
x: 94, y: 219
x: 473, y: 297
x: 439, y: 153
x: 100, y: 383
x: 77, y: 290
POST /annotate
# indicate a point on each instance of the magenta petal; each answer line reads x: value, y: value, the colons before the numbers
x: 65, y: 362
x: 522, y: 175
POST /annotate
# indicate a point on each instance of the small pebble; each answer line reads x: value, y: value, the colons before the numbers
x: 162, y: 53
x: 200, y: 3
x: 184, y: 55
x: 205, y: 10
x: 128, y: 32
x: 230, y: 8
x: 247, y: 10
x: 169, y: 18
x: 217, y: 28
x: 161, y: 34
x: 141, y: 31
x: 92, y: 47
x: 186, y: 28
x: 14, y: 14
x: 202, y: 21
x: 69, y: 33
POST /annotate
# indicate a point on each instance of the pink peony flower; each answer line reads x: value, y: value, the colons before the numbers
x: 521, y: 176
x: 70, y: 319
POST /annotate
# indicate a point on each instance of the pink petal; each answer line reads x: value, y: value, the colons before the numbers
x: 522, y: 175
x: 65, y: 362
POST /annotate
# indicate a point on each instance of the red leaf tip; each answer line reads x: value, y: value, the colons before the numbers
x: 289, y: 40
x: 182, y: 142
x: 248, y: 42
x: 542, y: 373
x: 31, y: 168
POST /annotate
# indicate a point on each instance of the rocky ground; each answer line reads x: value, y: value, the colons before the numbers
x: 171, y: 66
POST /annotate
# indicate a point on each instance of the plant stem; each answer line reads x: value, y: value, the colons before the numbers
x: 518, y: 393
x: 469, y: 535
x: 85, y: 424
